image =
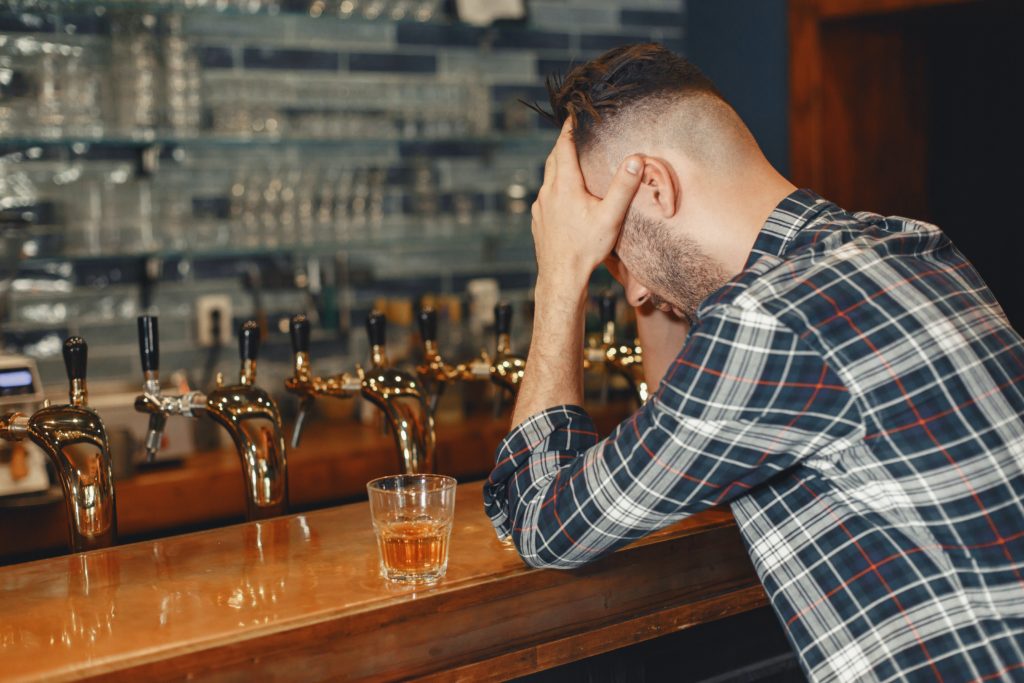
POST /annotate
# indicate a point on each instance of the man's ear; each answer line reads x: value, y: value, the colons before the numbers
x: 661, y: 187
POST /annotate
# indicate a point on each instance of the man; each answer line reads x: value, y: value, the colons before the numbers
x: 847, y: 383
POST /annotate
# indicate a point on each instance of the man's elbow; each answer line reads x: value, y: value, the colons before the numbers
x: 538, y: 555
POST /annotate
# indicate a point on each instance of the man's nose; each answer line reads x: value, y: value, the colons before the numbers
x: 636, y: 294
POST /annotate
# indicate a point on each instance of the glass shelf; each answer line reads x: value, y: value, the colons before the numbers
x: 492, y: 233
x: 430, y: 11
x: 213, y: 140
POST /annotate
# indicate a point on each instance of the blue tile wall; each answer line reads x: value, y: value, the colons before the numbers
x: 647, y: 17
x: 269, y: 58
x: 215, y: 57
x: 363, y: 159
x: 397, y: 63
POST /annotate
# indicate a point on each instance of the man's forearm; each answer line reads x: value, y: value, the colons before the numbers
x: 554, y: 367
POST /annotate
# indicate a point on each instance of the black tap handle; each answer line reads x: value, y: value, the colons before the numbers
x: 215, y: 327
x: 607, y: 304
x: 503, y: 318
x: 249, y: 340
x: 76, y: 352
x: 300, y: 333
x: 149, y: 343
x: 428, y: 324
x: 376, y: 327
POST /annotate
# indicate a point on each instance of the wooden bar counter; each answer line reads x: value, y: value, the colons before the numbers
x: 300, y: 598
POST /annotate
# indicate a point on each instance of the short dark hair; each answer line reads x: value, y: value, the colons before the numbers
x: 624, y: 76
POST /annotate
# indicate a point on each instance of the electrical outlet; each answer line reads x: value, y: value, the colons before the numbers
x: 213, y: 320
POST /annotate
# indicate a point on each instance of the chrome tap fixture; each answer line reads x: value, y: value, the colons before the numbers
x: 73, y: 437
x: 398, y: 395
x: 623, y: 359
x: 247, y: 412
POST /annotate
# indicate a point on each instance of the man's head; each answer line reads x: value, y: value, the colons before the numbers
x: 689, y: 227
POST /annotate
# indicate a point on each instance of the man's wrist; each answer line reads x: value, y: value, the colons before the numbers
x: 564, y: 285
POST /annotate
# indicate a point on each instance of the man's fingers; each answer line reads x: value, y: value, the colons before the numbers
x: 566, y: 160
x: 622, y: 189
x: 549, y: 167
x: 551, y: 163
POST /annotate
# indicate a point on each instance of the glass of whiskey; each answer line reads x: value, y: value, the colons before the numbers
x: 412, y: 518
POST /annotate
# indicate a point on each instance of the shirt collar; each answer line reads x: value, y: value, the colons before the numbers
x: 794, y: 213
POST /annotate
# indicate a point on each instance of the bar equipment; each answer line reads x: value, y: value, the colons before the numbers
x: 73, y: 436
x: 434, y: 372
x: 22, y: 464
x: 508, y: 368
x: 623, y: 359
x: 505, y: 369
x: 398, y: 395
x: 246, y: 411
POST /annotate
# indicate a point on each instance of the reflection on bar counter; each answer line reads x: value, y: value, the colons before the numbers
x: 247, y: 412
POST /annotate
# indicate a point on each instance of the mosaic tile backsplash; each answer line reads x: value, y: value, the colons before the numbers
x: 324, y: 156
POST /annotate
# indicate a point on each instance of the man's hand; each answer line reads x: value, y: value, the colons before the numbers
x: 573, y: 231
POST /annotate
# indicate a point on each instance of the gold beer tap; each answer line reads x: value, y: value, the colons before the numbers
x: 624, y: 359
x: 73, y: 437
x: 400, y: 396
x: 508, y: 369
x: 504, y: 370
x: 307, y: 386
x: 434, y: 372
x: 246, y: 411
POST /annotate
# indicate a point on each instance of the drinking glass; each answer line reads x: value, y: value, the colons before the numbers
x: 412, y: 518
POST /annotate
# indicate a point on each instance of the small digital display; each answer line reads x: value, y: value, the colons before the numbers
x: 16, y: 382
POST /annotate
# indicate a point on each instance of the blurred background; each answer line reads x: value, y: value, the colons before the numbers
x: 254, y: 158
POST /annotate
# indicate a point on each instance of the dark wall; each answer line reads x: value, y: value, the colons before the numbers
x: 742, y: 45
x: 975, y: 143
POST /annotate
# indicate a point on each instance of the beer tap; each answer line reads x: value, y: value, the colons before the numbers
x: 623, y: 359
x: 307, y: 386
x: 399, y: 395
x: 508, y: 369
x: 247, y: 412
x: 434, y: 372
x: 73, y: 437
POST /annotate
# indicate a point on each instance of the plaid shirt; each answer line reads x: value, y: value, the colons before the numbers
x: 855, y: 394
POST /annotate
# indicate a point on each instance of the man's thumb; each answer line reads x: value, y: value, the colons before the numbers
x: 623, y: 187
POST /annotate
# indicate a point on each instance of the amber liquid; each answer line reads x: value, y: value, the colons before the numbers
x: 415, y: 550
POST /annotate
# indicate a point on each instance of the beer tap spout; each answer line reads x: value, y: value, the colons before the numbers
x: 247, y: 412
x: 75, y: 440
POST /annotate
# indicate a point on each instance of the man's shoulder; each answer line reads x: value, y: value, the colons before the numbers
x: 825, y: 255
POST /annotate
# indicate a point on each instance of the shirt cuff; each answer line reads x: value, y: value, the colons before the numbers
x: 566, y: 429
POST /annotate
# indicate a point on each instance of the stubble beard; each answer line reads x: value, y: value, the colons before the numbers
x: 674, y: 267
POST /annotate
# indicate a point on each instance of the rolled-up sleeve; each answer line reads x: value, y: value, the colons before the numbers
x: 744, y: 400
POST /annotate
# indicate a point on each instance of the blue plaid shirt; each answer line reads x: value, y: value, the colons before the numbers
x: 856, y: 395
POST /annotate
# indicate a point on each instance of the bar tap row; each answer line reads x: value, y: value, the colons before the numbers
x: 73, y: 437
